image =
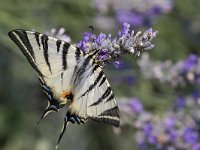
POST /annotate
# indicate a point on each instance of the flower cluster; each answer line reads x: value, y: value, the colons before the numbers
x: 110, y: 49
x: 135, y: 12
x: 181, y: 73
x: 179, y: 128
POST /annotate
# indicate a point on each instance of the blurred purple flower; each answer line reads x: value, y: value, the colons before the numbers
x: 179, y: 103
x: 136, y: 12
x: 196, y: 95
x: 182, y: 73
x: 190, y: 135
x: 134, y: 18
x: 172, y: 134
x: 151, y: 139
x: 154, y: 11
x: 196, y: 146
x: 129, y: 80
x: 170, y: 122
x: 136, y: 105
x: 190, y: 62
x: 148, y: 128
x: 198, y: 80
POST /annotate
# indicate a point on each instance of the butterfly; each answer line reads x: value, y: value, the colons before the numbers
x: 69, y: 77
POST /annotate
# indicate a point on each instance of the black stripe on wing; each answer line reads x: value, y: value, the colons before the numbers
x: 64, y: 55
x: 21, y: 40
x: 87, y: 61
x: 94, y: 84
x: 105, y: 94
x: 37, y: 39
x: 44, y: 40
x: 58, y: 42
x: 110, y: 116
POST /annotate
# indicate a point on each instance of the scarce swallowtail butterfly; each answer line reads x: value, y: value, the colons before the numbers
x: 69, y: 77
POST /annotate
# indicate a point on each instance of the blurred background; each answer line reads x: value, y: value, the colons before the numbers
x: 158, y: 93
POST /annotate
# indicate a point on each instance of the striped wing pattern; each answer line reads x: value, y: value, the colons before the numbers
x: 95, y: 94
x: 63, y: 66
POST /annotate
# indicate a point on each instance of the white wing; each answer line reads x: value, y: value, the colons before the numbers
x: 52, y: 58
x: 94, y: 98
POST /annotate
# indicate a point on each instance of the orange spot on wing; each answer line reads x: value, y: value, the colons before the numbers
x: 64, y: 94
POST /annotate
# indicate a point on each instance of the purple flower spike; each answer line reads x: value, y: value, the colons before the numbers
x: 110, y: 50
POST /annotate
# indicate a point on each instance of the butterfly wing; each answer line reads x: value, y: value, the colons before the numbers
x: 50, y: 57
x: 94, y: 97
x: 62, y: 65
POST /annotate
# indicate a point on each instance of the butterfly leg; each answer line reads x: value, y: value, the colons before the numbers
x: 69, y: 117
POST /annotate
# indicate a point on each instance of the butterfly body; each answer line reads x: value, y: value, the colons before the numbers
x: 69, y: 77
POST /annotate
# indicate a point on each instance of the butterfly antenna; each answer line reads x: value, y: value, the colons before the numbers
x: 62, y: 132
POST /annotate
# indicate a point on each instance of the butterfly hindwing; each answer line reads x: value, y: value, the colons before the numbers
x: 95, y: 99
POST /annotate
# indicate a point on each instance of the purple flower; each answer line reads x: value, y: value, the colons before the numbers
x: 130, y: 80
x: 180, y: 102
x: 125, y: 31
x: 198, y: 80
x: 87, y: 36
x: 135, y: 12
x: 170, y: 122
x: 154, y: 11
x: 195, y: 95
x: 84, y: 44
x: 134, y: 18
x: 103, y: 54
x: 190, y: 135
x: 100, y: 38
x: 172, y: 134
x: 117, y: 64
x: 136, y: 105
x: 196, y: 146
x: 141, y: 144
x: 190, y: 62
x: 182, y: 73
x: 151, y: 139
x: 110, y: 50
x: 148, y: 128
